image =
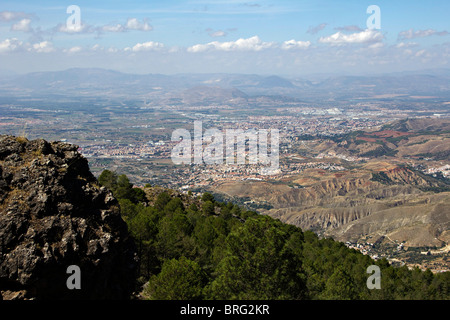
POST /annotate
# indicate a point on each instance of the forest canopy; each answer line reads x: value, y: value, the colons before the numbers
x: 194, y: 248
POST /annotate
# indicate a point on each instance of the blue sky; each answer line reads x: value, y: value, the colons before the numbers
x: 265, y: 37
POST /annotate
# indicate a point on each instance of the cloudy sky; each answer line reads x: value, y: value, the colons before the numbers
x: 281, y: 37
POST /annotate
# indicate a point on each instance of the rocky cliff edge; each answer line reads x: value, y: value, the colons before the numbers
x: 54, y: 214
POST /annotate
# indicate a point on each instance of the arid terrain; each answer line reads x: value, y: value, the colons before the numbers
x: 383, y: 205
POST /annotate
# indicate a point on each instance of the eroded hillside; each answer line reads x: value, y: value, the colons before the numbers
x: 380, y: 190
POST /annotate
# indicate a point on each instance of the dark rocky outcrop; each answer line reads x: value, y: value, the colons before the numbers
x: 54, y: 214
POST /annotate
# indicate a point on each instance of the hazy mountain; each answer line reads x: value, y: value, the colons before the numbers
x: 207, y: 94
x: 275, y: 82
x: 96, y: 82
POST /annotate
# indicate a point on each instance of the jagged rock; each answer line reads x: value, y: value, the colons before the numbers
x: 53, y: 214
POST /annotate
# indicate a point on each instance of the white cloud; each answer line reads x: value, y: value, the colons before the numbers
x: 7, y: 16
x: 376, y: 45
x: 200, y: 47
x: 366, y: 36
x: 218, y: 33
x: 10, y: 45
x: 146, y: 46
x: 75, y: 49
x: 84, y: 28
x: 134, y: 24
x: 22, y: 25
x: 101, y: 49
x: 293, y: 44
x: 411, y: 34
x: 131, y: 24
x: 250, y: 44
x: 406, y: 45
x: 42, y: 47
x: 114, y: 28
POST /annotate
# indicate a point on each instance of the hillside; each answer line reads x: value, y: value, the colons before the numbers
x: 410, y: 138
x: 420, y: 125
x: 199, y: 248
x: 357, y: 206
x: 381, y: 186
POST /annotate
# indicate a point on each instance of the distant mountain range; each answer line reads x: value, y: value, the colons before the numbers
x: 100, y: 82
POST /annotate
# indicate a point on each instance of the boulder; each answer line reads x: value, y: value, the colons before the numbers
x: 54, y: 214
